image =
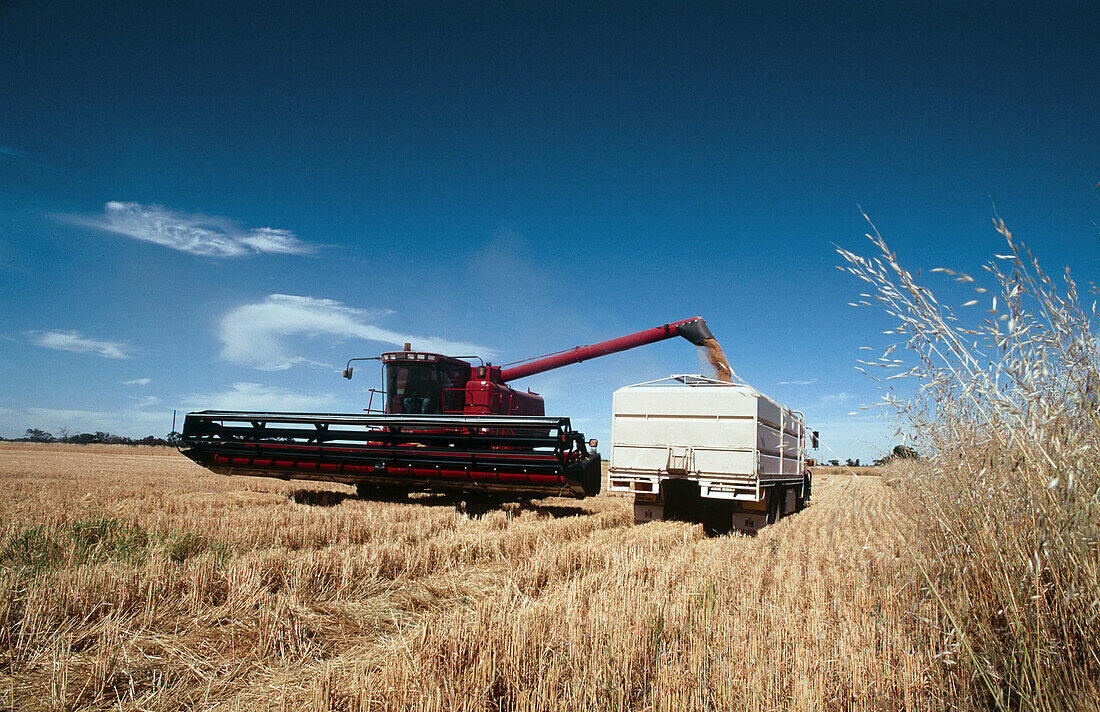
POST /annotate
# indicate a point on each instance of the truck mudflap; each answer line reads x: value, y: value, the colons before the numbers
x: 513, y: 456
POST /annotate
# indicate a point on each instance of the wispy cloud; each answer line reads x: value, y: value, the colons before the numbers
x: 258, y: 334
x: 77, y: 343
x: 23, y: 160
x: 137, y: 382
x: 144, y: 402
x: 210, y: 236
x: 833, y: 398
x: 797, y: 383
x: 256, y: 396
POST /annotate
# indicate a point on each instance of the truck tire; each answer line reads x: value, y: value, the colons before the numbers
x: 682, y: 501
x: 804, y: 497
x: 774, y: 499
x: 717, y: 516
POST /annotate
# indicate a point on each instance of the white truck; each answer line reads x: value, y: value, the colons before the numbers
x: 698, y: 449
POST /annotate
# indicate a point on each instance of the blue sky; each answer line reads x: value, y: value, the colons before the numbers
x: 212, y: 206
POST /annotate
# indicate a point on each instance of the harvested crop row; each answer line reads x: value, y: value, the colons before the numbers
x: 263, y: 595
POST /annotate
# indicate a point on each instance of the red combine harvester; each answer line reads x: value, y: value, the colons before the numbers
x: 445, y: 425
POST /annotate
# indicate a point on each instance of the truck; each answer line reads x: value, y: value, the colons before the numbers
x: 706, y: 450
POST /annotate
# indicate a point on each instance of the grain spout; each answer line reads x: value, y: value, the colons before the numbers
x: 717, y: 359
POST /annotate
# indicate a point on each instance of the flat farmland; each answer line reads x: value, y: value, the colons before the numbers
x: 131, y: 578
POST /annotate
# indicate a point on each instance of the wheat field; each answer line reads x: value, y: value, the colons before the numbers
x: 131, y: 578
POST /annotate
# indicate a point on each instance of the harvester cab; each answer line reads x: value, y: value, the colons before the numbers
x: 424, y: 383
x: 446, y: 425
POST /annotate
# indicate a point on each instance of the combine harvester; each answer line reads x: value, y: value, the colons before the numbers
x: 687, y: 447
x: 445, y: 425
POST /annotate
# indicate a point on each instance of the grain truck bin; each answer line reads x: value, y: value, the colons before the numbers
x: 695, y: 448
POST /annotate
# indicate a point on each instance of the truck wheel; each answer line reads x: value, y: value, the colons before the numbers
x: 774, y: 499
x: 717, y: 516
x: 804, y: 498
x: 682, y: 501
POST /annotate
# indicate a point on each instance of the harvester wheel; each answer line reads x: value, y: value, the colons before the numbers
x: 478, y: 504
x: 381, y: 493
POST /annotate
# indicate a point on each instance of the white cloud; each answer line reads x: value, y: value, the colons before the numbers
x: 256, y: 396
x: 797, y: 383
x: 831, y: 398
x: 269, y: 239
x: 257, y: 334
x: 137, y: 382
x: 206, y: 235
x: 77, y: 343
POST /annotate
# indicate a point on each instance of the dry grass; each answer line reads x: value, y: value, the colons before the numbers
x: 90, y: 447
x: 1006, y: 406
x: 137, y: 580
x: 822, y: 471
x: 132, y: 579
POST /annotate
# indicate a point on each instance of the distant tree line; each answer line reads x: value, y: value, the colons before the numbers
x: 849, y: 462
x: 900, y: 452
x: 37, y: 435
